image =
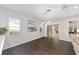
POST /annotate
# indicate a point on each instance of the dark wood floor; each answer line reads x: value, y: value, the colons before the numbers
x: 42, y: 46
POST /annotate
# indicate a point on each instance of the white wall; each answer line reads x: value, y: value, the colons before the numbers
x: 23, y: 36
x: 64, y: 30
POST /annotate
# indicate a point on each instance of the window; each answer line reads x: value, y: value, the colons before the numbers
x: 14, y: 25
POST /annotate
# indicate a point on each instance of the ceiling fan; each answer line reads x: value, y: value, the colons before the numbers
x: 64, y: 6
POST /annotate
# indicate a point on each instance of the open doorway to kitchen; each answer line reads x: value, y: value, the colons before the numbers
x: 72, y: 29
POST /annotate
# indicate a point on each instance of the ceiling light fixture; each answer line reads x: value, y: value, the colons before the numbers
x: 75, y: 7
x: 48, y: 11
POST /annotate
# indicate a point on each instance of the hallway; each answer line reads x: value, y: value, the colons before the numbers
x: 41, y: 46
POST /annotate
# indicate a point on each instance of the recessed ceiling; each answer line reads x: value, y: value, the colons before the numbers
x: 44, y: 11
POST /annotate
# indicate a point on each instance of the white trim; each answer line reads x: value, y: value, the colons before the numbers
x: 2, y: 43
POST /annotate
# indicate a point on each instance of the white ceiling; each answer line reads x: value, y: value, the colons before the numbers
x: 39, y: 11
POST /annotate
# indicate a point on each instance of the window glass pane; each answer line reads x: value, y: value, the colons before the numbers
x: 14, y: 24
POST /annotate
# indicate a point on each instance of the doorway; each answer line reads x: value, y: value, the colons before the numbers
x: 72, y: 29
x: 53, y: 35
x: 53, y: 31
